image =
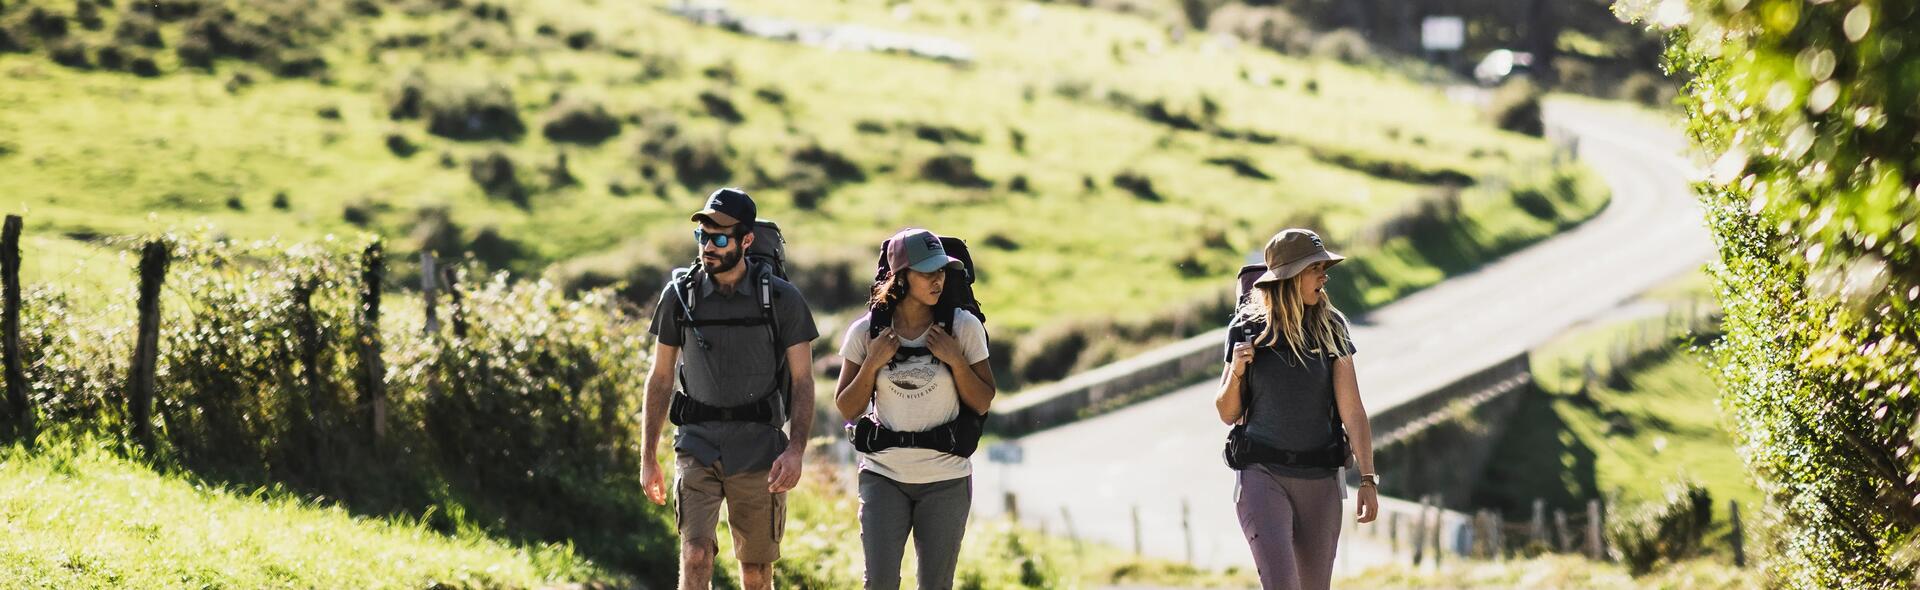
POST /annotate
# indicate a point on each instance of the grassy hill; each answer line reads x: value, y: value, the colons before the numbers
x: 1106, y: 167
x: 76, y: 515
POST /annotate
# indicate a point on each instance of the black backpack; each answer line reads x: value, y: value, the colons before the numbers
x: 1241, y: 450
x: 766, y: 259
x: 961, y: 436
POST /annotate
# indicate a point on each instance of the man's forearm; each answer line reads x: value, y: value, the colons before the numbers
x: 654, y: 416
x: 802, y: 419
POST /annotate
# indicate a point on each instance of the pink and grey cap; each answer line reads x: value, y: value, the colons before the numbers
x: 1290, y: 251
x: 920, y: 250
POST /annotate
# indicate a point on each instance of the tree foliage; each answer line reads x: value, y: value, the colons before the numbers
x: 1808, y: 112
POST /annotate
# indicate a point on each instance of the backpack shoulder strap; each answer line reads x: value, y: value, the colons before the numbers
x: 763, y: 278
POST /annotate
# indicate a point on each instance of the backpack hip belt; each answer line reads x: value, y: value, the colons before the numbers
x: 684, y: 410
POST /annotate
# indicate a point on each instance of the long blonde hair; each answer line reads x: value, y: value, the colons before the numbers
x: 1290, y: 320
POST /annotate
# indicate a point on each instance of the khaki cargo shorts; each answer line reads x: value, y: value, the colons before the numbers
x: 758, y: 517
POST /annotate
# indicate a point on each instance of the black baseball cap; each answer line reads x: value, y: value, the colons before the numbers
x: 728, y: 206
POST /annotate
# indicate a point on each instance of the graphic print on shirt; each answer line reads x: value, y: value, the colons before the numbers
x: 912, y: 376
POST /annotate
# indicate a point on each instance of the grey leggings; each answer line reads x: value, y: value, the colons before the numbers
x: 1293, y: 525
x: 934, y: 513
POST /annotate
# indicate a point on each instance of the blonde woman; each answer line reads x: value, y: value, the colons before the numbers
x: 1290, y: 392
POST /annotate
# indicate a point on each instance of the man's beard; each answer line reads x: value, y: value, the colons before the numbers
x: 727, y: 262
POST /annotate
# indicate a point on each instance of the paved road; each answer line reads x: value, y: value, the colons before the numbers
x: 1161, y: 453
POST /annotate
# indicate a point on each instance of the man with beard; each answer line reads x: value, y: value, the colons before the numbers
x: 747, y: 327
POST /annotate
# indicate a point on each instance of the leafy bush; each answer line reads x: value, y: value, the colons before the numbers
x: 457, y: 110
x: 138, y: 29
x: 1272, y: 27
x: 521, y: 393
x: 1811, y: 198
x: 1344, y: 45
x: 71, y: 53
x: 579, y: 120
x: 474, y: 112
x: 1669, y: 530
x: 720, y: 107
x: 953, y: 169
x: 1516, y: 107
x: 697, y: 161
x: 1138, y: 184
x: 498, y: 176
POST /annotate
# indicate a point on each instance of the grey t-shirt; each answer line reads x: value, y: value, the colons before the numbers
x: 1291, y: 401
x: 738, y: 370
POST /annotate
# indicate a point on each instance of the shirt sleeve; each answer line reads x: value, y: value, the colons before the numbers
x: 972, y: 335
x: 854, y: 346
x: 666, y: 319
x: 796, y: 320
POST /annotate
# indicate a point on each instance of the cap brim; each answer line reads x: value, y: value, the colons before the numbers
x: 1288, y: 271
x: 939, y: 262
x: 714, y: 217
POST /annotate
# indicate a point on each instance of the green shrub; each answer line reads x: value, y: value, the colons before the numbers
x: 953, y: 169
x: 473, y: 112
x: 1643, y: 88
x: 1516, y: 107
x: 720, y: 107
x: 497, y: 175
x: 1669, y: 530
x: 1810, y: 196
x: 579, y: 120
x: 138, y: 29
x: 1138, y: 184
x: 1272, y: 27
x: 1344, y: 45
x: 697, y: 161
x: 71, y: 53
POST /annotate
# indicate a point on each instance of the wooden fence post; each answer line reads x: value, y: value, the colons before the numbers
x: 373, y: 371
x: 146, y: 349
x: 1538, y: 532
x: 1136, y: 530
x: 1186, y: 526
x: 1595, y: 549
x: 1420, y: 530
x: 428, y: 274
x: 19, y: 403
x: 1563, y: 530
x: 1739, y: 535
x: 1072, y: 534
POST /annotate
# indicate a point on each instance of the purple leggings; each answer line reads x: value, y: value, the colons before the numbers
x: 1293, y: 526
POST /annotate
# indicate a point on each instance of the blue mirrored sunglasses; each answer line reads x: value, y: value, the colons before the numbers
x: 719, y: 240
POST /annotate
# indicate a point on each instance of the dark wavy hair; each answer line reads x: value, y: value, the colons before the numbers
x: 888, y: 291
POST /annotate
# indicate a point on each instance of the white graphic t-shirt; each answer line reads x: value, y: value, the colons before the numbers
x: 914, y: 394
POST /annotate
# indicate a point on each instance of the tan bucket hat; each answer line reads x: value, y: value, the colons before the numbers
x: 1290, y: 251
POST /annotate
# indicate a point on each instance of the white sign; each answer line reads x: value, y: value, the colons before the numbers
x: 1443, y: 33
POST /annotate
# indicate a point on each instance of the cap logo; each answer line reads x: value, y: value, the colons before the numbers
x: 1316, y: 241
x: 932, y: 242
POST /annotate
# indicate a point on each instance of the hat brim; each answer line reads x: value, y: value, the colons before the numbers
x: 1289, y: 270
x: 714, y: 217
x: 933, y: 263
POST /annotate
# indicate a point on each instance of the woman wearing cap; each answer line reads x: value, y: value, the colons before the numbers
x: 907, y: 490
x: 1290, y: 351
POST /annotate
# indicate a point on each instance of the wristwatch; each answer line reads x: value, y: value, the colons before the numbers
x: 1370, y: 479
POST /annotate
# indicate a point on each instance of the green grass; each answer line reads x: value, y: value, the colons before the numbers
x: 1626, y: 443
x: 1555, y: 572
x: 76, y: 515
x: 103, y: 153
